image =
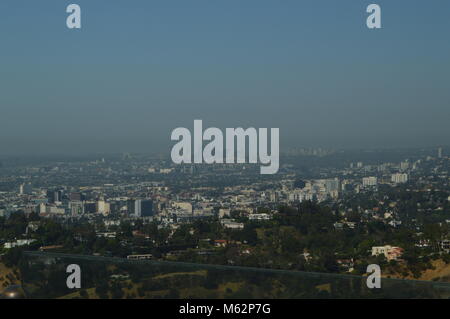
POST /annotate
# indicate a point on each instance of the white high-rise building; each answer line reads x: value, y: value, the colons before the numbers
x: 103, y: 207
x: 399, y: 178
x: 369, y: 181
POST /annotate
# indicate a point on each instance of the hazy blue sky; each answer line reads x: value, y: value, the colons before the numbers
x: 138, y: 69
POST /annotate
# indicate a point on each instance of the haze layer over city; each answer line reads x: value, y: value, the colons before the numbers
x: 133, y: 73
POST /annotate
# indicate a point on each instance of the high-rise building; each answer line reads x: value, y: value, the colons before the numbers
x: 27, y: 189
x: 440, y: 152
x: 146, y: 208
x: 332, y: 185
x: 102, y: 207
x: 54, y: 196
x: 399, y: 178
x: 369, y: 181
x: 76, y: 208
x: 140, y: 207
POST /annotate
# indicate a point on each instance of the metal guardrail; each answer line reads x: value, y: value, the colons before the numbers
x: 114, y: 260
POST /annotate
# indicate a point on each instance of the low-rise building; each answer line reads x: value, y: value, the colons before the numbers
x: 390, y: 252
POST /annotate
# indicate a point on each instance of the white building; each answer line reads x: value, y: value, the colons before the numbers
x: 369, y: 181
x: 399, y: 178
x: 186, y: 206
x: 18, y: 243
x: 262, y: 216
x: 390, y: 252
x: 103, y: 207
x: 231, y: 224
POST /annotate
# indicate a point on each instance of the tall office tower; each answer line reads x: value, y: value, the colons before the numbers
x: 140, y: 207
x: 440, y: 152
x: 27, y: 189
x: 131, y: 207
x: 54, y: 196
x: 146, y: 208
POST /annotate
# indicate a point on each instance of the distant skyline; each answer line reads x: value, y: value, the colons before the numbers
x: 137, y: 70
